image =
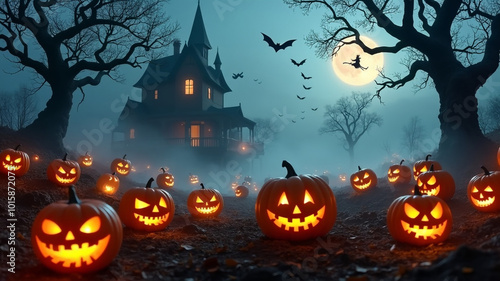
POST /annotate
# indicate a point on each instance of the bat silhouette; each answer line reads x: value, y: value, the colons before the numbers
x: 280, y: 115
x: 277, y: 46
x: 305, y: 77
x: 314, y: 109
x: 298, y: 63
x: 293, y: 121
x: 307, y: 88
x: 300, y: 98
x: 255, y: 80
x: 237, y: 75
x: 302, y: 118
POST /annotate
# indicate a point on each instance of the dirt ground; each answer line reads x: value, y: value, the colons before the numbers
x: 232, y: 247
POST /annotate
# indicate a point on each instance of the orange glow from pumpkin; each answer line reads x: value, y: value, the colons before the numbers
x: 36, y: 157
x: 13, y: 165
x: 207, y: 210
x: 424, y: 231
x: 296, y: 223
x: 481, y: 202
x: 283, y: 200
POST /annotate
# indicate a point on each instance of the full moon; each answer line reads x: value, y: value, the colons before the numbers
x: 345, y: 57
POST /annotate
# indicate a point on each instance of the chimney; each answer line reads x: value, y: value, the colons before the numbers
x: 177, y: 46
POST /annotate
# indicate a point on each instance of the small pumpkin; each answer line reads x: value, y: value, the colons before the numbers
x: 193, y: 179
x: 424, y: 166
x: 121, y: 166
x: 146, y: 208
x: 76, y: 236
x: 205, y: 202
x: 363, y: 179
x: 419, y: 219
x: 14, y: 161
x: 165, y: 179
x: 483, y: 191
x: 438, y: 183
x: 85, y: 160
x: 108, y: 183
x: 241, y: 191
x: 63, y: 172
x: 296, y: 207
x: 399, y: 174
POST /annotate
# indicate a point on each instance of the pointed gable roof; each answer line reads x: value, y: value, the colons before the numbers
x: 198, y: 34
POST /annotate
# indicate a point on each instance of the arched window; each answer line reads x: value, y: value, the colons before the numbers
x: 189, y: 86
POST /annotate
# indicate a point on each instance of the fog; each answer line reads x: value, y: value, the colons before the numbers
x: 234, y: 28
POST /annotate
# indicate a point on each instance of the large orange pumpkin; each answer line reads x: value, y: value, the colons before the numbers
x: 419, y: 219
x: 399, y: 174
x: 14, y: 161
x: 205, y: 202
x: 121, y: 166
x: 483, y: 191
x: 76, y: 236
x: 438, y: 183
x: 296, y: 207
x: 363, y: 179
x: 63, y: 172
x: 108, y: 183
x: 424, y: 166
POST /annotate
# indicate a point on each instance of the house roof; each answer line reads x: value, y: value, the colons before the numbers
x: 198, y: 34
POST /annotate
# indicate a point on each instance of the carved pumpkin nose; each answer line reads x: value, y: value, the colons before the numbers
x: 70, y: 236
x: 481, y: 195
x: 155, y: 209
x: 296, y: 210
x: 425, y: 218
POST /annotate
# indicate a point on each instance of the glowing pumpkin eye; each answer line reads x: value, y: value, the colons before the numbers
x: 432, y: 181
x: 50, y: 227
x: 308, y: 198
x: 120, y: 165
x: 91, y: 225
x: 7, y: 158
x: 126, y: 165
x: 61, y: 170
x: 198, y: 200
x: 419, y: 182
x: 366, y: 176
x: 488, y: 189
x: 410, y: 211
x: 283, y: 199
x: 414, y: 169
x: 162, y: 203
x: 396, y: 171
x: 424, y: 169
x: 213, y: 199
x: 18, y: 160
x: 116, y: 179
x: 437, y: 212
x: 474, y: 190
x: 110, y: 178
x: 140, y: 204
x: 356, y: 179
x: 73, y: 171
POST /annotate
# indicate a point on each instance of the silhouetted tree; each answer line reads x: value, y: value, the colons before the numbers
x: 413, y: 136
x: 6, y: 111
x: 24, y: 107
x: 454, y: 43
x: 72, y: 44
x: 349, y: 120
x: 489, y: 115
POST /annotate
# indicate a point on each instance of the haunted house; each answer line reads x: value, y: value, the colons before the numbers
x: 182, y: 112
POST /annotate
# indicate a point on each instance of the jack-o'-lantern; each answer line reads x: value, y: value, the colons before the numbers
x: 76, y: 236
x: 85, y: 160
x: 193, y: 179
x: 296, y: 207
x: 438, y: 183
x: 483, y: 191
x: 424, y: 166
x: 165, y: 179
x: 363, y: 179
x: 419, y: 219
x: 121, y: 166
x: 343, y: 177
x: 498, y: 156
x: 14, y: 161
x: 241, y: 191
x: 205, y: 202
x: 146, y: 208
x: 108, y: 183
x: 399, y: 174
x: 63, y: 172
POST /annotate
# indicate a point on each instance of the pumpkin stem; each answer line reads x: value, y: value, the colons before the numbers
x: 401, y: 163
x: 359, y: 168
x: 86, y: 153
x: 65, y: 156
x: 486, y: 172
x: 163, y: 169
x: 124, y: 156
x: 427, y: 157
x: 113, y: 173
x: 290, y: 172
x: 431, y: 168
x: 73, y: 198
x: 17, y: 147
x: 148, y: 185
x: 202, y: 186
x: 416, y: 191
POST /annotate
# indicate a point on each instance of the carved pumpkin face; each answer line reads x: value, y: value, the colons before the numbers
x: 419, y: 219
x: 108, y: 183
x: 78, y: 236
x: 363, y: 179
x: 438, y: 183
x: 193, y: 179
x: 85, y: 160
x: 205, y: 202
x: 121, y: 166
x: 146, y: 208
x: 241, y: 191
x: 483, y: 191
x: 295, y: 207
x: 343, y: 177
x: 15, y: 161
x: 63, y: 172
x: 424, y: 166
x: 399, y: 174
x: 165, y: 179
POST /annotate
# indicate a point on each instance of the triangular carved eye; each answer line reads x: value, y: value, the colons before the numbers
x: 396, y: 171
x: 91, y: 225
x: 419, y: 183
x: 356, y: 179
x: 50, y: 227
x: 366, y: 176
x: 424, y: 169
x: 139, y: 204
x: 61, y: 170
x: 488, y: 189
x: 432, y: 181
x: 410, y: 211
x: 18, y: 160
x: 162, y: 203
x: 198, y: 200
x: 308, y: 198
x: 73, y: 171
x: 474, y: 190
x: 126, y: 165
x: 119, y: 165
x: 283, y: 199
x: 213, y: 199
x: 437, y: 212
x: 7, y: 158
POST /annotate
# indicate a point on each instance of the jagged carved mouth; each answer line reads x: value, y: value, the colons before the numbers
x: 207, y: 210
x: 295, y: 224
x: 152, y: 220
x: 433, y: 191
x: 392, y: 179
x: 87, y: 163
x: 74, y: 255
x: 363, y: 186
x: 11, y: 167
x: 483, y: 203
x: 122, y: 171
x: 425, y: 231
x: 65, y: 180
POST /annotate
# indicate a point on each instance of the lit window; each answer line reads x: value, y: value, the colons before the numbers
x: 188, y: 87
x: 209, y: 93
x: 132, y: 133
x: 156, y: 94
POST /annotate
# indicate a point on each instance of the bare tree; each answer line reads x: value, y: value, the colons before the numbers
x: 489, y: 115
x: 24, y: 106
x: 455, y: 44
x: 72, y: 44
x: 349, y: 120
x: 6, y: 111
x: 413, y: 135
x: 265, y: 130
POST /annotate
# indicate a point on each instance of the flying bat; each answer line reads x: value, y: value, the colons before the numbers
x: 307, y: 88
x: 314, y: 109
x: 300, y: 98
x: 277, y: 46
x: 237, y: 75
x: 293, y: 121
x: 298, y: 63
x: 302, y: 118
x: 305, y: 77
